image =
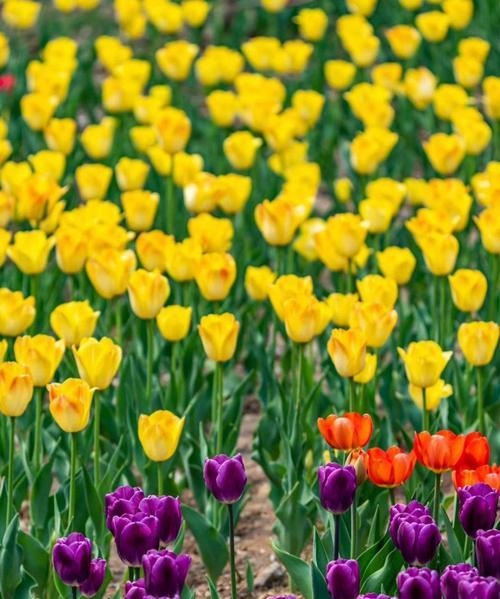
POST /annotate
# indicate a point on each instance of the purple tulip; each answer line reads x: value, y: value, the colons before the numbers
x: 452, y: 575
x: 91, y: 586
x: 417, y: 537
x: 282, y: 597
x: 419, y: 582
x: 135, y: 590
x: 342, y: 579
x: 135, y: 535
x: 374, y: 596
x: 401, y: 510
x: 124, y: 500
x: 225, y: 477
x: 168, y: 511
x: 479, y: 588
x: 337, y: 487
x: 165, y: 573
x: 71, y: 558
x: 478, y: 508
x: 488, y: 552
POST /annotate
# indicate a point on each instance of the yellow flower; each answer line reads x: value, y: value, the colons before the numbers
x: 478, y: 341
x: 97, y: 140
x: 161, y: 160
x: 445, y: 152
x: 21, y: 14
x: 411, y: 4
x: 186, y: 167
x: 368, y: 372
x: 375, y: 320
x: 97, y: 361
x: 448, y: 98
x: 219, y: 335
x: 285, y: 287
x: 30, y: 251
x: 5, y: 237
x: 215, y: 274
x: 424, y: 362
x: 48, y: 163
x: 60, y: 134
x: 16, y: 389
x: 109, y: 271
x: 174, y: 322
x: 69, y: 404
x: 173, y: 129
x: 277, y: 220
x: 440, y: 252
x: 433, y: 25
x: 159, y: 434
x: 111, y: 52
x: 327, y: 251
x: 213, y: 234
x: 375, y: 288
x: 343, y: 189
x: 433, y: 395
x: 41, y: 354
x: 474, y: 47
x: 404, y: 40
x: 376, y: 213
x: 4, y: 50
x: 308, y: 104
x: 339, y: 74
x: 17, y: 313
x: 37, y: 196
x: 223, y: 107
x: 240, y: 149
x: 419, y: 86
x: 71, y: 249
x: 182, y: 259
x: 305, y: 317
x: 73, y: 321
x: 397, y: 263
x: 258, y: 280
x: 468, y: 289
x: 370, y: 148
x: 37, y: 109
x: 165, y: 16
x: 176, y: 58
x: 93, y: 180
x: 4, y: 345
x: 460, y: 12
x: 488, y: 223
x: 274, y: 6
x: 468, y: 71
x: 362, y: 7
x: 347, y: 232
x: 312, y: 23
x: 153, y: 248
x: 140, y: 208
x: 147, y: 291
x: 388, y: 75
x: 363, y: 50
x: 341, y: 306
x: 233, y: 192
x: 131, y: 173
x: 347, y: 349
x: 469, y: 124
x: 195, y: 12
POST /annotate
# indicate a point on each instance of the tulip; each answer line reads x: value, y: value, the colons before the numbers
x: 182, y: 259
x: 478, y: 508
x: 374, y: 320
x: 478, y: 587
x: 416, y: 536
x: 109, y: 271
x: 135, y: 590
x: 123, y: 500
x: 337, y: 486
x: 71, y: 249
x: 419, y: 582
x: 135, y: 535
x: 152, y: 249
x: 173, y: 129
x: 148, y: 292
x: 140, y: 208
x: 305, y: 317
x: 368, y: 372
x: 374, y: 596
x: 433, y: 395
x: 342, y: 578
x: 468, y: 289
x: 240, y: 148
x: 168, y: 512
x: 131, y: 174
x: 341, y: 306
x: 233, y: 192
x: 347, y: 349
x: 213, y: 234
x: 215, y: 274
x: 165, y: 573
x: 30, y: 251
x: 258, y: 280
x: 312, y: 23
x: 487, y: 548
x: 348, y: 233
x: 195, y: 12
x: 390, y: 468
x: 286, y: 287
x: 489, y: 475
x: 397, y: 264
x: 90, y: 587
x: 73, y: 321
x: 478, y: 341
x: 176, y: 58
x: 160, y: 434
x: 70, y: 404
x: 347, y: 432
x: 452, y: 575
x: 174, y: 322
x: 219, y: 334
x: 71, y: 557
x: 404, y: 40
x: 487, y: 223
x: 460, y: 12
x: 339, y: 74
x: 277, y: 221
x: 424, y: 362
x: 93, y: 181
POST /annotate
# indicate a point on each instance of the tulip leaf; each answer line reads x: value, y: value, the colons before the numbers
x: 213, y: 589
x: 319, y: 553
x: 249, y: 577
x: 384, y: 576
x: 36, y: 560
x: 95, y: 507
x: 211, y: 544
x: 319, y: 587
x: 298, y: 569
x: 39, y: 496
x: 10, y: 560
x: 453, y: 543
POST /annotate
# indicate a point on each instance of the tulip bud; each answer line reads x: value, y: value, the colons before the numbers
x: 93, y: 181
x: 357, y: 459
x: 225, y: 477
x: 71, y: 557
x: 337, y: 487
x: 487, y: 548
x: 168, y: 512
x: 215, y: 274
x: 165, y: 573
x: 305, y: 317
x: 347, y: 232
x: 240, y: 148
x: 347, y: 432
x: 140, y: 208
x: 109, y: 271
x: 258, y: 280
x: 174, y: 322
x: 374, y: 320
x: 182, y: 259
x: 97, y: 361
x: 478, y: 508
x: 131, y: 173
x: 347, y: 349
x: 73, y: 321
x: 70, y: 404
x: 17, y: 313
x: 159, y: 434
x: 343, y: 579
x: 219, y: 335
x: 397, y: 264
x: 452, y: 575
x: 148, y: 292
x: 433, y: 25
x: 424, y: 362
x: 30, y: 251
x: 41, y: 354
x: 16, y: 388
x: 285, y: 287
x: 478, y: 341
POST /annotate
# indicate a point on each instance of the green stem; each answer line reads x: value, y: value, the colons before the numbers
x: 392, y: 496
x: 442, y: 311
x: 38, y: 450
x: 149, y: 362
x: 351, y: 394
x: 425, y: 411
x: 219, y: 381
x: 354, y: 527
x: 118, y: 321
x: 299, y: 367
x: 160, y: 478
x: 437, y: 497
x: 349, y: 278
x: 97, y: 435
x: 480, y: 400
x: 10, y: 471
x: 73, y: 591
x: 234, y: 594
x: 72, y: 480
x: 336, y: 538
x: 170, y: 205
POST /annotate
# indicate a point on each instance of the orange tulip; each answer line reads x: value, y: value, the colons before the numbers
x: 347, y: 432
x: 389, y: 468
x: 483, y: 474
x: 440, y: 452
x: 476, y: 452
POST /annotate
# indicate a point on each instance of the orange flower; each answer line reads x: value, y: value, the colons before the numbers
x: 440, y: 452
x: 347, y: 432
x: 484, y: 474
x: 476, y: 452
x: 389, y: 468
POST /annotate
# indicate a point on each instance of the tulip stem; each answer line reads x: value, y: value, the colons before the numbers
x: 437, y: 497
x: 74, y: 592
x: 149, y: 362
x: 234, y: 594
x: 354, y: 527
x: 37, y: 450
x: 10, y: 471
x: 442, y: 310
x: 72, y: 480
x: 352, y: 394
x: 170, y: 205
x: 298, y: 391
x: 425, y: 411
x: 160, y: 478
x: 392, y: 496
x: 336, y: 536
x: 118, y: 321
x: 219, y: 398
x: 97, y: 446
x: 480, y: 400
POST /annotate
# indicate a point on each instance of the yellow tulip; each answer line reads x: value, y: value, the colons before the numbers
x: 404, y: 40
x: 195, y: 12
x: 93, y: 180
x: 223, y: 107
x: 348, y: 233
x: 419, y: 86
x: 200, y: 195
x: 370, y: 148
x: 440, y: 252
x: 30, y: 251
x: 165, y: 16
x: 433, y: 25
x: 488, y: 223
x: 387, y: 75
x: 341, y: 306
x: 362, y: 7
x: 5, y: 237
x: 185, y: 167
x: 274, y: 6
x: 71, y: 249
x: 368, y: 372
x: 286, y: 287
x: 97, y: 361
x: 347, y: 349
x: 424, y: 362
x: 339, y: 74
x: 309, y: 104
x: 147, y: 292
x: 153, y: 248
x: 219, y: 335
x: 160, y: 434
x: 41, y: 354
x: 240, y: 148
x: 16, y: 389
x: 460, y: 12
x: 69, y: 404
x: 213, y: 234
x: 173, y: 129
x: 478, y: 341
x: 397, y: 263
x: 60, y: 134
x: 48, y: 163
x: 160, y: 160
x: 476, y: 134
x: 4, y: 346
x: 131, y: 173
x: 448, y: 98
x: 7, y: 205
x: 305, y: 317
x: 37, y: 109
x: 175, y: 59
x: 468, y: 289
x: 376, y: 213
x: 433, y: 395
x: 474, y: 47
x: 312, y: 23
x: 109, y: 271
x: 73, y: 321
x: 97, y: 140
x: 174, y: 322
x: 375, y: 320
x: 277, y: 220
x: 375, y: 288
x: 468, y: 71
x: 445, y: 152
x: 182, y: 259
x: 140, y: 208
x: 233, y: 192
x: 215, y: 274
x: 4, y: 50
x: 258, y: 280
x: 17, y: 313
x: 343, y: 189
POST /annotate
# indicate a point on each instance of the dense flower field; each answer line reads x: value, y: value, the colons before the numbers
x: 216, y: 209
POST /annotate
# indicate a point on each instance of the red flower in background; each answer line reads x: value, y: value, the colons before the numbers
x: 7, y: 83
x: 489, y: 475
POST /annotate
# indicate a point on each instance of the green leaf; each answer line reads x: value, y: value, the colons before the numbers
x: 298, y: 569
x: 95, y: 507
x: 384, y: 576
x: 320, y: 590
x: 320, y: 556
x: 211, y: 544
x: 36, y: 560
x: 249, y: 577
x: 453, y: 543
x: 10, y: 560
x: 213, y: 589
x: 39, y: 496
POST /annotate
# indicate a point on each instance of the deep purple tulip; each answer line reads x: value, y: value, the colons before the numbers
x: 123, y: 500
x: 342, y: 579
x: 374, y: 596
x: 135, y: 535
x: 478, y: 508
x: 225, y: 477
x: 71, y: 558
x: 479, y: 588
x: 165, y: 573
x: 419, y: 582
x: 135, y: 590
x: 337, y: 487
x: 168, y: 511
x: 91, y: 586
x: 401, y: 510
x: 488, y: 552
x: 417, y: 537
x: 452, y: 575
x: 282, y: 597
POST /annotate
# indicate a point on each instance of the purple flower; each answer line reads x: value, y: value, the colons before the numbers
x: 135, y: 590
x: 165, y: 573
x: 478, y: 508
x: 374, y: 596
x: 417, y: 537
x: 135, y: 535
x: 282, y: 597
x: 91, y: 586
x: 420, y: 583
x: 488, y: 552
x: 342, y: 579
x: 225, y: 477
x: 400, y: 510
x: 479, y: 588
x: 168, y: 511
x: 71, y: 558
x: 337, y: 486
x: 452, y: 575
x: 124, y: 500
